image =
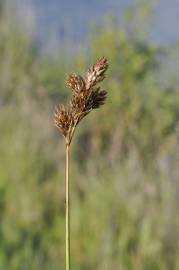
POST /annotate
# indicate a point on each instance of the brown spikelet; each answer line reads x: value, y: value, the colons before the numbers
x: 62, y: 119
x: 86, y: 97
x: 96, y: 73
x: 76, y: 83
x: 97, y: 98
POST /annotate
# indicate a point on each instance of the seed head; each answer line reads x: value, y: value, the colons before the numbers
x: 86, y: 96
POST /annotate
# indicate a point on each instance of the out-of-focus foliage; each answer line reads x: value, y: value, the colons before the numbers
x: 124, y: 165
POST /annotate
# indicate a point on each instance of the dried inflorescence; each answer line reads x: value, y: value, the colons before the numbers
x: 86, y: 96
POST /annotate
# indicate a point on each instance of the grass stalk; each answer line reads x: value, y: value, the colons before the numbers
x: 86, y: 96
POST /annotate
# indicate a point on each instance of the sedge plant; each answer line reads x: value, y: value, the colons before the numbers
x: 86, y: 96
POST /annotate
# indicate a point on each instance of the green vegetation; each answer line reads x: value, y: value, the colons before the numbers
x: 125, y: 181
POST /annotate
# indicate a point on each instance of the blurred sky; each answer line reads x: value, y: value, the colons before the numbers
x: 55, y: 19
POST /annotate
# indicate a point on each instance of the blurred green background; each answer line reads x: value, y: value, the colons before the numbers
x: 124, y: 158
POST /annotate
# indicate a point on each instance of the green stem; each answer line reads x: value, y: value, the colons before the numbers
x: 67, y: 230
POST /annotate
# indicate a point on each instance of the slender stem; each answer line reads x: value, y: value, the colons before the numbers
x: 67, y: 230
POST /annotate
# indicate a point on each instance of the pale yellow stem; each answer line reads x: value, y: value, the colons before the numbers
x: 67, y: 229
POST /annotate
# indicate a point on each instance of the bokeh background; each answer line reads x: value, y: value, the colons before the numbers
x: 124, y: 158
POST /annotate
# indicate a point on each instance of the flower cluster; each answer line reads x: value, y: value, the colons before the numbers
x: 86, y: 96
